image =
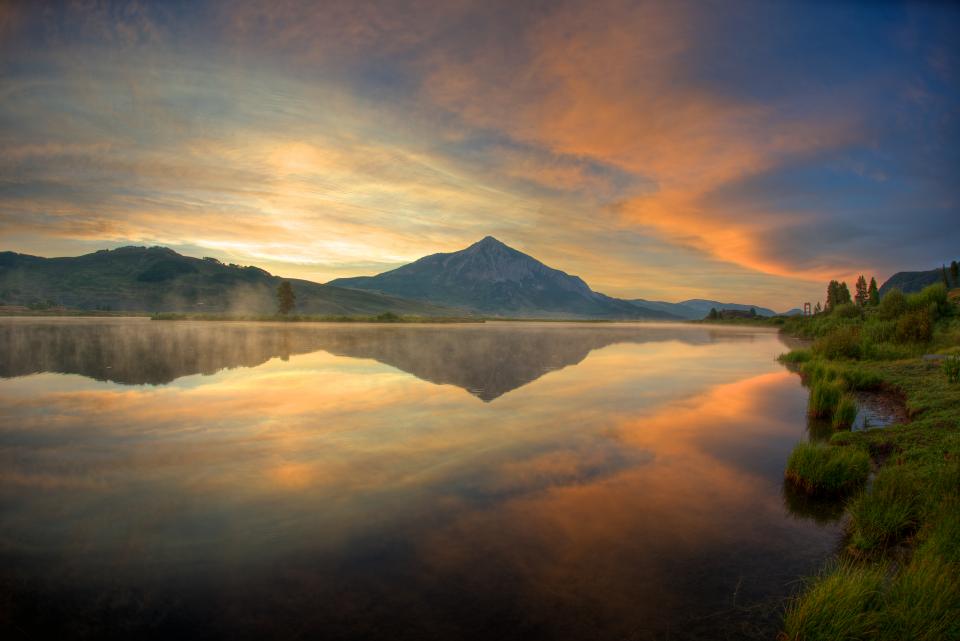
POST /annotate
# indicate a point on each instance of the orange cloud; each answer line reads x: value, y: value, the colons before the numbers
x: 610, y: 85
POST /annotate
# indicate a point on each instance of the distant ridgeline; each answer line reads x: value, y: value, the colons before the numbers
x: 159, y: 279
x: 486, y: 279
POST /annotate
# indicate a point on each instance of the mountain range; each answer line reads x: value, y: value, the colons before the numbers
x: 159, y: 279
x: 487, y: 278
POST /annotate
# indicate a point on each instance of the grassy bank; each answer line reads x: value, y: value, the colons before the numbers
x: 898, y: 576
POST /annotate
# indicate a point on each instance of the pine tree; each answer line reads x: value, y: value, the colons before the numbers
x: 713, y: 315
x: 832, y: 288
x: 862, y: 294
x: 843, y: 294
x: 874, y: 293
x: 946, y: 281
x: 955, y: 272
x: 286, y: 299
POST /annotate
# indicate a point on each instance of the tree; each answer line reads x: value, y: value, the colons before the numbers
x: 862, y: 294
x: 753, y: 312
x: 874, y: 294
x: 713, y: 315
x: 832, y: 288
x: 817, y: 309
x: 955, y: 272
x: 844, y: 294
x: 286, y: 299
x: 946, y: 281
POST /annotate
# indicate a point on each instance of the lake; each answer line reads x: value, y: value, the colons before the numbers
x: 347, y: 481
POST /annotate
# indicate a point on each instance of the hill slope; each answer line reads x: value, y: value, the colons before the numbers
x: 908, y: 282
x: 491, y: 278
x: 160, y: 279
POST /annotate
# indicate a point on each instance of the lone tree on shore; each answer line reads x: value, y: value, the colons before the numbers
x: 286, y: 299
x: 874, y: 295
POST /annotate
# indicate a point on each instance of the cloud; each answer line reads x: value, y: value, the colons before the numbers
x: 643, y: 146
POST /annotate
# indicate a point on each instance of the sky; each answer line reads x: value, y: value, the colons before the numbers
x: 740, y: 151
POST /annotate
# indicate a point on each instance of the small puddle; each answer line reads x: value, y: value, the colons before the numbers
x: 878, y: 409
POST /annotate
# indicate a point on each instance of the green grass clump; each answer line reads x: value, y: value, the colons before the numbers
x: 842, y: 603
x: 845, y: 412
x: 951, y: 368
x: 922, y: 603
x: 823, y: 469
x: 824, y: 397
x: 859, y: 602
x: 800, y: 355
x: 882, y: 515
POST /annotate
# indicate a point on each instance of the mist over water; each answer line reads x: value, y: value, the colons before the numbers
x: 505, y: 480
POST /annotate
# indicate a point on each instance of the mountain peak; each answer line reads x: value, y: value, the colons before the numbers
x: 488, y: 241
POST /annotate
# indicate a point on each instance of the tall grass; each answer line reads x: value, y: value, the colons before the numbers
x: 859, y: 602
x: 824, y: 469
x: 881, y: 515
x: 824, y: 398
x: 845, y: 412
x: 841, y: 603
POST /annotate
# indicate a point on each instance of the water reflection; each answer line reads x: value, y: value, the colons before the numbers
x: 486, y: 360
x: 636, y: 495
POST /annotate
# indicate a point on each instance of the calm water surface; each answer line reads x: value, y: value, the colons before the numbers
x: 497, y: 481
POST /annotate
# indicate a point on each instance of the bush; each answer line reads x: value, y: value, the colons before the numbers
x: 818, y: 468
x: 892, y: 305
x: 845, y: 413
x: 842, y: 342
x: 933, y: 298
x: 881, y: 516
x: 877, y: 330
x: 848, y: 310
x: 824, y: 398
x: 915, y: 327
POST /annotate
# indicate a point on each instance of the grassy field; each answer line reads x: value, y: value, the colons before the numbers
x: 898, y: 576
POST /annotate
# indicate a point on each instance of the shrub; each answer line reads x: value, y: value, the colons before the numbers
x: 848, y: 310
x: 877, y: 330
x: 824, y: 398
x: 915, y: 327
x: 933, y: 297
x: 818, y: 468
x: 892, y: 305
x: 951, y: 367
x: 842, y: 342
x: 845, y: 413
x: 881, y: 516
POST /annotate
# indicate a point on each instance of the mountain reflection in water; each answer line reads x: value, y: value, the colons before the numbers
x: 319, y: 490
x: 486, y: 360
